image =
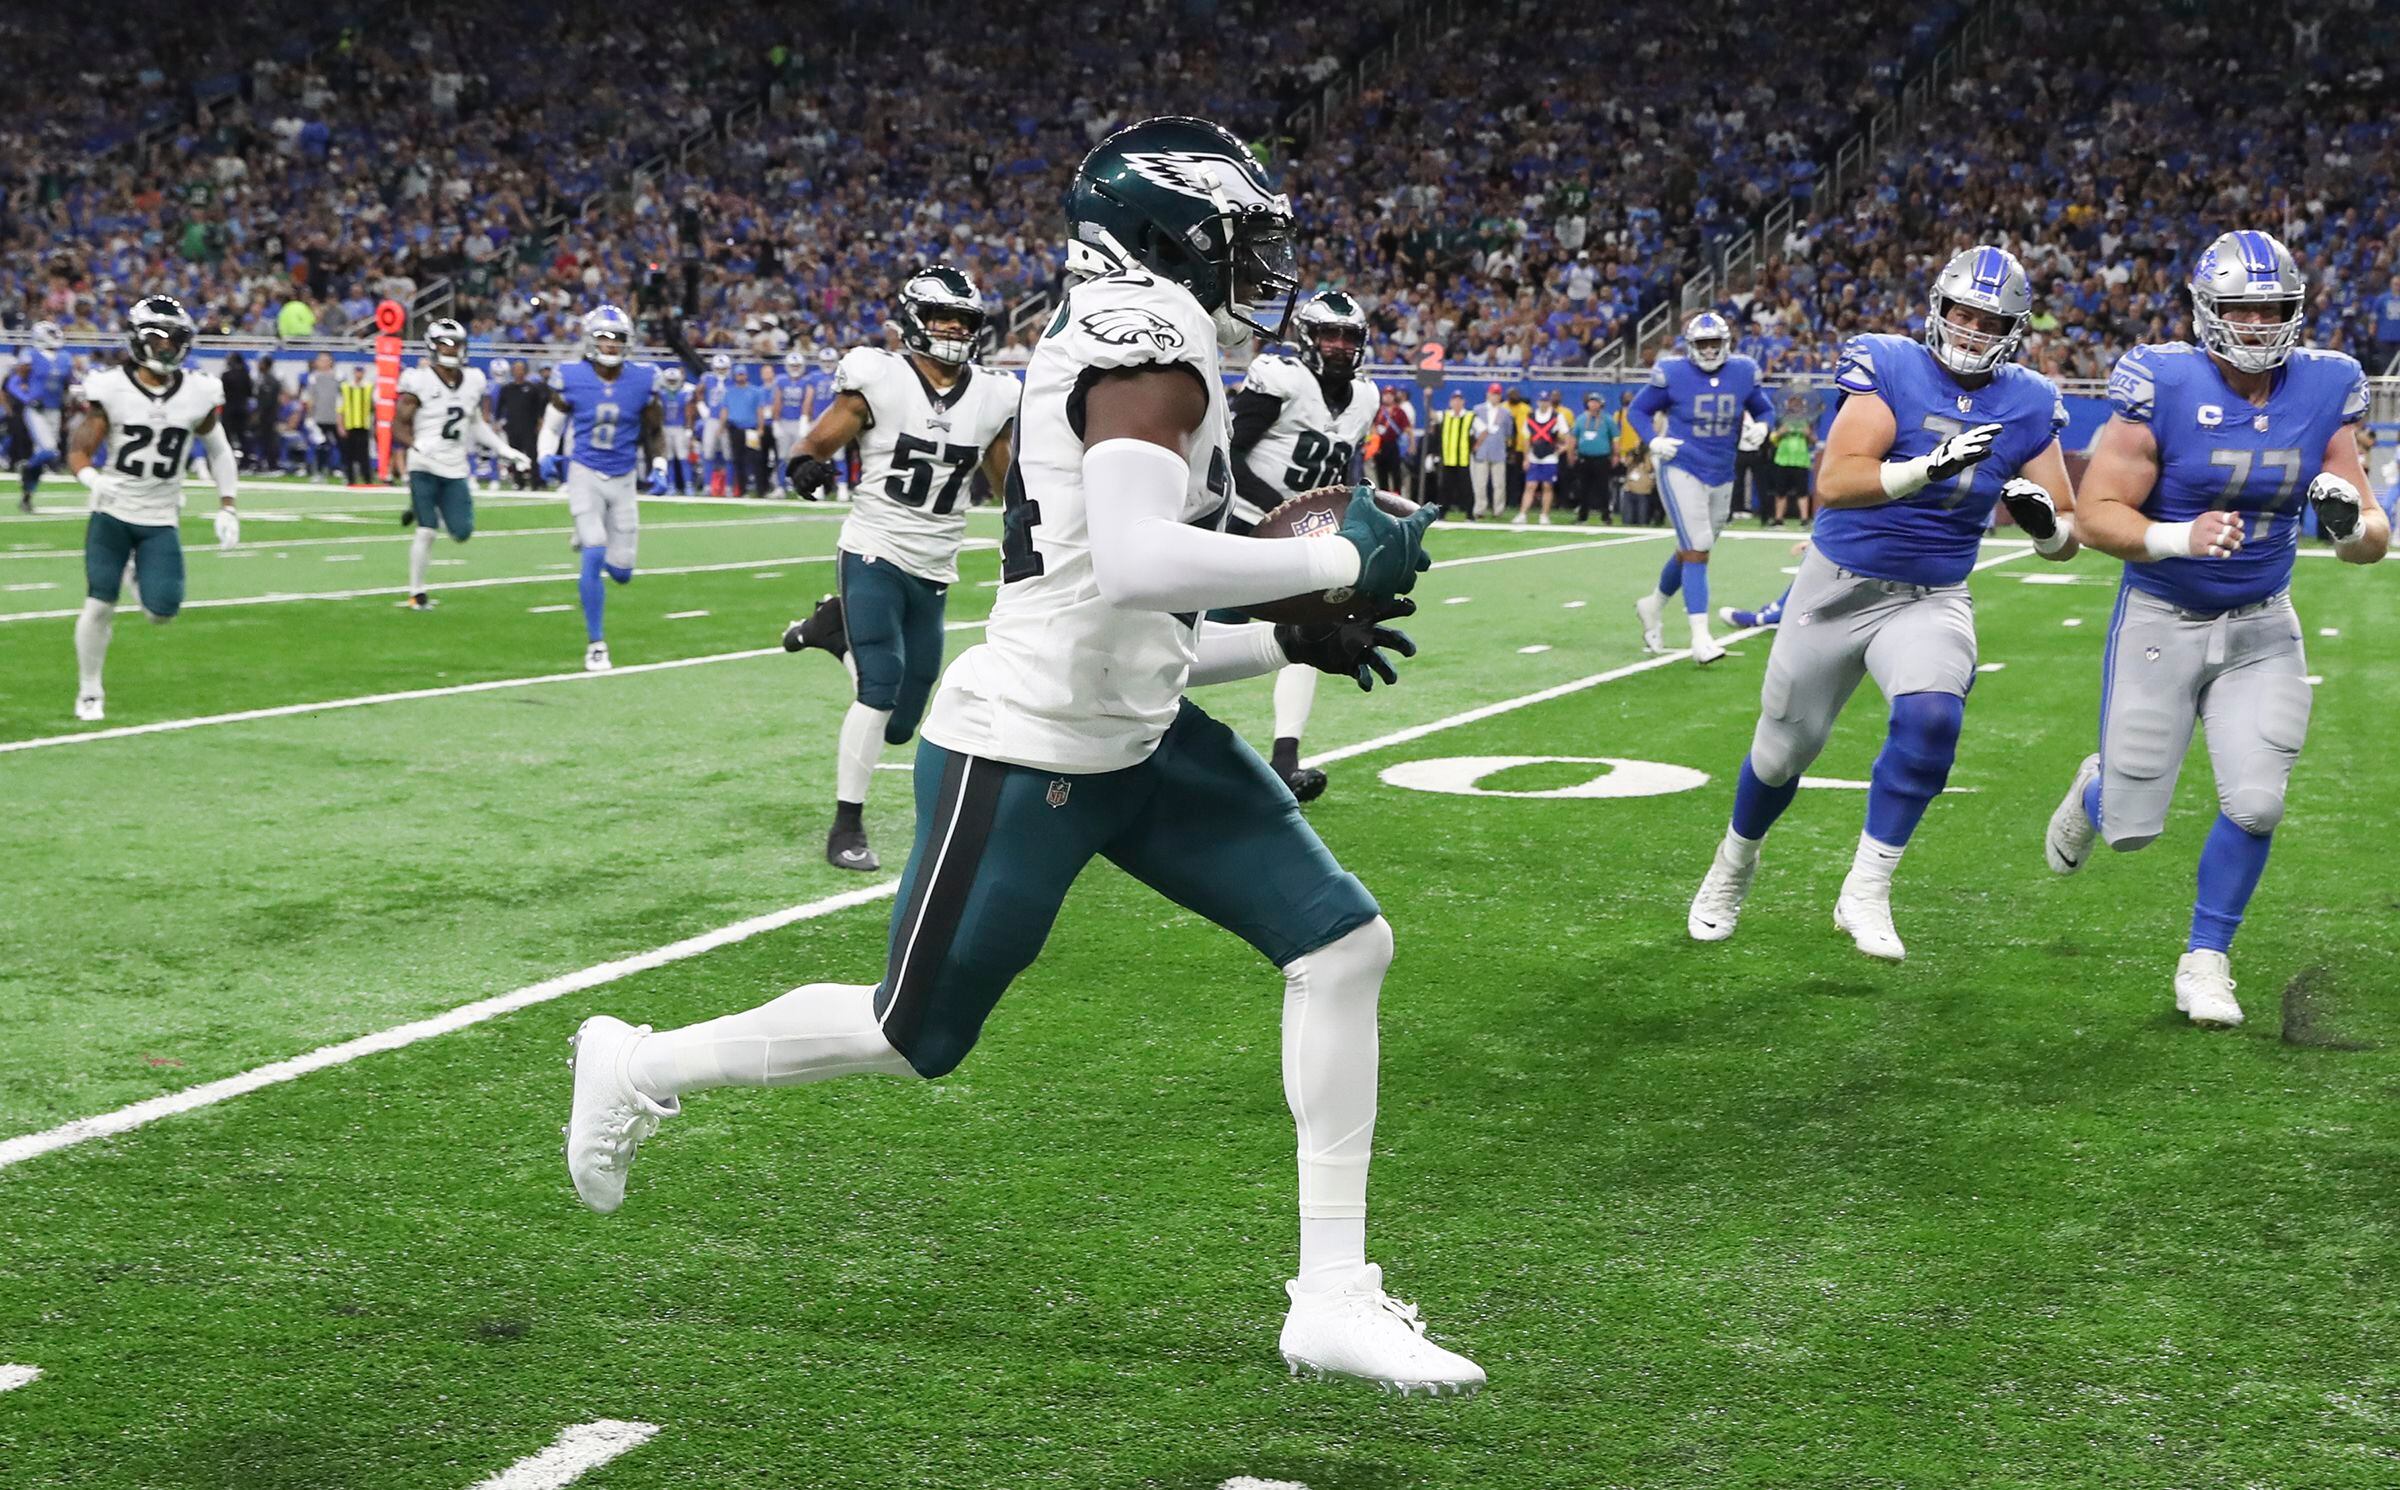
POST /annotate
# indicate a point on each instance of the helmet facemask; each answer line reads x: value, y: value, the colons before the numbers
x: 446, y: 344
x: 159, y: 335
x: 1709, y: 350
x: 1331, y: 335
x: 2252, y: 346
x: 1970, y: 339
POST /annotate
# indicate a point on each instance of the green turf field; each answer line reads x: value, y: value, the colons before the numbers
x: 1759, y: 1214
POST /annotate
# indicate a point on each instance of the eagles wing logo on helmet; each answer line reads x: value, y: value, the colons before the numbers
x: 1192, y: 172
x: 1124, y: 325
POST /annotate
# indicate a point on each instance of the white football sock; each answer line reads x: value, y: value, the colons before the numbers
x: 1329, y: 1071
x: 92, y: 631
x: 808, y: 1034
x: 1699, y: 620
x: 861, y: 746
x: 1295, y: 693
x: 1738, y: 851
x: 420, y: 554
x: 1872, y: 866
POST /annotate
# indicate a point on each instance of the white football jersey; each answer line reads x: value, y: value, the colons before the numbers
x: 1064, y: 681
x: 445, y: 425
x: 916, y: 457
x: 1309, y: 444
x: 151, y: 434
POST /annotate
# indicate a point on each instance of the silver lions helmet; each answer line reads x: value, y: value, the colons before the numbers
x: 670, y: 378
x: 159, y: 332
x: 941, y: 292
x: 607, y: 336
x: 1993, y: 286
x: 2249, y: 269
x: 795, y: 362
x: 1330, y: 332
x: 1708, y: 340
x: 720, y: 364
x: 47, y: 337
x: 446, y: 343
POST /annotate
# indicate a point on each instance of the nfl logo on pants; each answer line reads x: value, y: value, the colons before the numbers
x: 1057, y: 795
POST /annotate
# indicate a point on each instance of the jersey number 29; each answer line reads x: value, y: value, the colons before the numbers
x: 172, y: 440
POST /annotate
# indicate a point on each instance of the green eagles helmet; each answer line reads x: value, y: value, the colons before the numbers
x: 1330, y: 333
x: 941, y: 291
x: 1185, y: 200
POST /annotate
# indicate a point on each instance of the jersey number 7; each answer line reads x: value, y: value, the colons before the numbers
x: 911, y: 482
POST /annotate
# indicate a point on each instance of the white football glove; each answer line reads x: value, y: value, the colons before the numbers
x: 2339, y: 506
x: 229, y: 528
x: 1664, y: 448
x: 517, y: 459
x: 1960, y: 451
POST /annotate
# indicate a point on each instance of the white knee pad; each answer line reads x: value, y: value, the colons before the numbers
x: 1330, y: 1055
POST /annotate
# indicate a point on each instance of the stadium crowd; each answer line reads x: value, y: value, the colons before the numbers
x: 1522, y: 190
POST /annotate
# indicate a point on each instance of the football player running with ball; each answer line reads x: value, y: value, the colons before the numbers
x: 1704, y: 393
x: 924, y: 420
x: 1298, y: 421
x: 148, y: 410
x: 1066, y: 735
x: 439, y: 416
x: 1929, y: 435
x: 2197, y: 482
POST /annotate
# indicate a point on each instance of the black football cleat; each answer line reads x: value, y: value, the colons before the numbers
x: 847, y: 849
x: 823, y: 629
x: 1307, y: 783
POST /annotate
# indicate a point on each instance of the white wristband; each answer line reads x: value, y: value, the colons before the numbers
x: 90, y: 477
x: 2167, y: 541
x: 1333, y: 562
x: 2059, y: 538
x: 1905, y: 478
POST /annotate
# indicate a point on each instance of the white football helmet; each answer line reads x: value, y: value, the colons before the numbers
x: 2249, y: 268
x: 670, y: 378
x: 827, y: 356
x: 720, y: 364
x: 1708, y: 340
x: 47, y: 337
x: 1986, y: 279
x: 795, y: 362
x: 607, y: 336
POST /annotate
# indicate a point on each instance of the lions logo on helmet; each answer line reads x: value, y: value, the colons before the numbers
x: 2249, y: 269
x: 795, y: 362
x: 1708, y: 340
x: 159, y: 333
x: 1331, y: 334
x: 1185, y: 200
x: 1986, y: 280
x: 940, y: 292
x: 827, y: 356
x: 446, y: 343
x: 720, y: 363
x: 607, y: 336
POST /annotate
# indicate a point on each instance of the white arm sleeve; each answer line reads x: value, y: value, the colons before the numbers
x: 554, y: 431
x: 1144, y: 558
x: 1229, y: 654
x: 490, y: 438
x: 223, y: 466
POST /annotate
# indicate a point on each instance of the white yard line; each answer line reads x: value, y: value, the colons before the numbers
x: 13, y: 1377
x: 17, y: 1150
x: 572, y: 1455
x: 785, y: 520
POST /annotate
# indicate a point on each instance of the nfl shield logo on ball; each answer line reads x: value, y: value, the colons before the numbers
x: 1313, y: 523
x: 1057, y: 795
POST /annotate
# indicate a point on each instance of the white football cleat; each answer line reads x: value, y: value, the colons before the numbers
x: 1725, y: 614
x: 1652, y: 609
x: 1718, y: 905
x: 1706, y: 649
x: 2068, y: 844
x: 2204, y: 990
x: 91, y: 708
x: 595, y: 658
x: 1363, y: 1333
x: 610, y: 1118
x: 1866, y: 914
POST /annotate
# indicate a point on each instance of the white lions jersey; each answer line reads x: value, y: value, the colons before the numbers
x: 916, y: 457
x: 1064, y: 681
x: 444, y: 430
x: 151, y: 434
x: 1309, y: 445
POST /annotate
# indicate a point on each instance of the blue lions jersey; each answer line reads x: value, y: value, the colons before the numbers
x: 1930, y: 537
x: 2217, y: 451
x: 607, y: 414
x: 1704, y: 411
x: 791, y: 395
x: 40, y: 379
x: 712, y: 393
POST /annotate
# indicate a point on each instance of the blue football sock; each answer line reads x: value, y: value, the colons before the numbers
x: 622, y: 576
x: 2230, y: 864
x: 1695, y: 589
x: 1756, y: 805
x: 1772, y: 611
x: 593, y: 594
x: 1670, y: 579
x: 2091, y: 802
x: 1914, y: 764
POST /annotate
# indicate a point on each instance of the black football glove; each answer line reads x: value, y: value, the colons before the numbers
x: 2031, y: 508
x: 1961, y: 451
x: 1352, y: 648
x: 2339, y: 511
x: 808, y: 476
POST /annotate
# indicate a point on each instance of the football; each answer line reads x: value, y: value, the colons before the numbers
x: 1312, y: 514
